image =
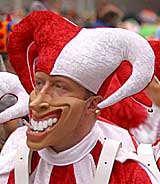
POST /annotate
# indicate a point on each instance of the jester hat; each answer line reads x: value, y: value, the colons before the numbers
x: 47, y: 42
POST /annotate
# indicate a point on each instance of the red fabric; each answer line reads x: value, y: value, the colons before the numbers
x: 100, y: 118
x: 156, y: 142
x: 33, y: 29
x: 132, y: 136
x: 127, y: 113
x: 11, y: 179
x: 8, y: 18
x: 36, y: 158
x: 96, y: 152
x: 155, y: 44
x: 128, y: 173
x: 135, y: 143
x: 63, y: 174
x: 158, y: 163
x: 123, y: 73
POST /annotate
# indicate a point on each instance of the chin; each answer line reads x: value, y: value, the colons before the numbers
x: 35, y: 146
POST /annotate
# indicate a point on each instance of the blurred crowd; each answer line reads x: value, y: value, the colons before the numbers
x: 146, y: 22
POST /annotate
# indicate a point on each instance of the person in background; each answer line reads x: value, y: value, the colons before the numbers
x: 131, y: 22
x: 66, y: 72
x: 149, y: 26
x: 40, y: 5
x: 13, y: 105
x: 108, y: 15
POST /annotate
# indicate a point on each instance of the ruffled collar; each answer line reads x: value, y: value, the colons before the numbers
x: 74, y: 154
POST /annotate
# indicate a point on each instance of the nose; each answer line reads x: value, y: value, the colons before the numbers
x: 39, y: 104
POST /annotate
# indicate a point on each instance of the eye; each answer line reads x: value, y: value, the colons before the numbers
x: 60, y: 86
x: 39, y: 84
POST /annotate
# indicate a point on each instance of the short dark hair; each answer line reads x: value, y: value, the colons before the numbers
x: 88, y: 94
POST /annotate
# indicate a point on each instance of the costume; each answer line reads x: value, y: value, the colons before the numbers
x: 10, y: 84
x: 156, y: 149
x: 133, y: 116
x: 83, y: 157
x: 13, y: 104
x: 51, y: 47
x: 150, y: 129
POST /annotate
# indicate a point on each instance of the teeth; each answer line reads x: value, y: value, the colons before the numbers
x: 38, y: 126
x: 45, y: 125
x: 50, y: 122
x: 55, y: 120
x: 34, y: 125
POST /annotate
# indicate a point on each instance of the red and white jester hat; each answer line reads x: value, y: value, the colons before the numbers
x: 45, y: 41
x: 155, y: 44
x: 10, y: 84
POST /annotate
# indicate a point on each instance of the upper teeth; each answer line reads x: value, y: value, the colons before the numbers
x: 43, y: 124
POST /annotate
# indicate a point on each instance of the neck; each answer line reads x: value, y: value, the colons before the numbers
x: 74, y: 138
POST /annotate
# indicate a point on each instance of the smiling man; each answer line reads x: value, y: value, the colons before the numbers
x: 58, y: 112
x: 66, y: 70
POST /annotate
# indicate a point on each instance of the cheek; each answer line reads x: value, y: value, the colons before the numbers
x: 59, y: 134
x: 66, y: 128
x: 60, y: 93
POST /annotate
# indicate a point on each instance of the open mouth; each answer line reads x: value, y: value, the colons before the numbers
x: 42, y: 125
x: 37, y: 125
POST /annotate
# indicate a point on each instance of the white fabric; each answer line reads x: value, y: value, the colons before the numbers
x: 116, y: 133
x: 106, y: 161
x: 100, y: 51
x: 2, y: 65
x: 10, y: 84
x: 156, y: 150
x: 85, y: 170
x: 10, y: 147
x: 85, y: 162
x: 71, y: 155
x: 145, y: 154
x: 148, y: 132
x: 7, y: 162
x: 43, y: 172
x: 22, y: 163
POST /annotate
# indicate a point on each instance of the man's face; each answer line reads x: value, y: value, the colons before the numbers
x: 57, y: 110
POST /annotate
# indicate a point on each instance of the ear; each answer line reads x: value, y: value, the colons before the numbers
x: 92, y: 103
